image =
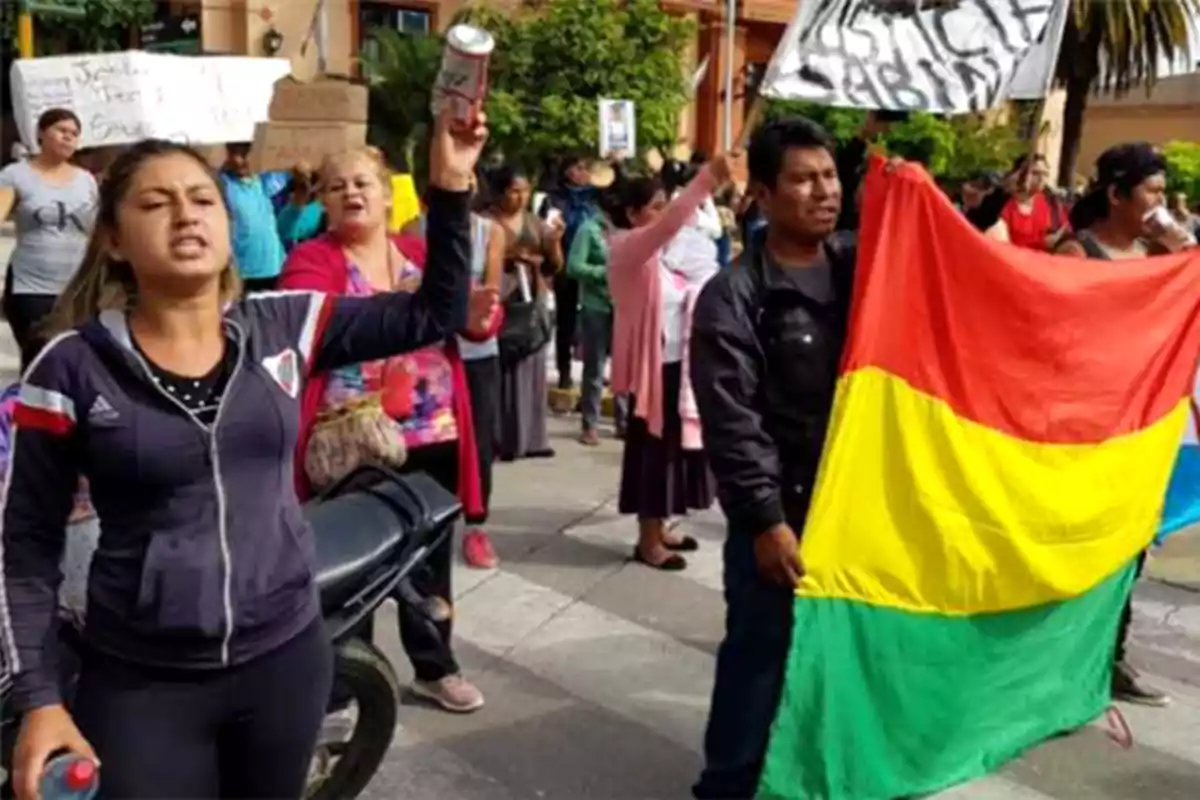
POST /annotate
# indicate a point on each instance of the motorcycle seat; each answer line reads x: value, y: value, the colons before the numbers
x: 354, y: 534
x: 361, y: 530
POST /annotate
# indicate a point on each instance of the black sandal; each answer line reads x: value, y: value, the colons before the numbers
x: 673, y: 563
x: 687, y: 544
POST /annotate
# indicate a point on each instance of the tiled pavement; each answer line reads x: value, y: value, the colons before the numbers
x: 598, y: 671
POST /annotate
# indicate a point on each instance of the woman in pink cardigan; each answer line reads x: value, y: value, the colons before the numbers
x: 664, y: 471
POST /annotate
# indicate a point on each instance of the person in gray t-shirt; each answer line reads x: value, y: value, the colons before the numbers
x: 54, y: 204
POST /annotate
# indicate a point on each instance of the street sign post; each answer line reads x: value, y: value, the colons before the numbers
x: 62, y: 8
x: 170, y: 33
x: 48, y: 8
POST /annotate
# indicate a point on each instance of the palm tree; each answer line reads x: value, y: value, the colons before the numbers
x: 1115, y: 46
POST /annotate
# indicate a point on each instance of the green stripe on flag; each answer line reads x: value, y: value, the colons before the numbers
x: 880, y: 704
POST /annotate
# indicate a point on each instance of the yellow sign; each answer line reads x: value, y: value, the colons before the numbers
x: 406, y: 206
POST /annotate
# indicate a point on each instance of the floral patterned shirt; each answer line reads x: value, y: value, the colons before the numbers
x: 432, y: 420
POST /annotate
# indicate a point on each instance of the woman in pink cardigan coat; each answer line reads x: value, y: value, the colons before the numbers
x: 664, y: 471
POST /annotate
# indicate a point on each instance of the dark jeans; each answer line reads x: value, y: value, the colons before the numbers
x: 26, y: 313
x: 246, y: 731
x: 1127, y: 615
x: 596, y: 331
x: 566, y: 313
x: 431, y: 656
x: 483, y: 382
x: 749, y: 680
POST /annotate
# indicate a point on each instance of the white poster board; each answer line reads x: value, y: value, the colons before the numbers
x: 618, y: 127
x: 124, y: 97
x: 944, y: 56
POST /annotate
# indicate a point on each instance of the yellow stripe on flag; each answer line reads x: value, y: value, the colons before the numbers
x: 933, y: 513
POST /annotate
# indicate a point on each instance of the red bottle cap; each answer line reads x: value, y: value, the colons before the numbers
x: 79, y: 775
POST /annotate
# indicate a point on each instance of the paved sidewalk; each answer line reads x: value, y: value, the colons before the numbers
x: 598, y: 671
x: 1177, y: 562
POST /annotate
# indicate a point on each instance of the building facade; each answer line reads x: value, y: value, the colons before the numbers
x: 1171, y: 112
x: 282, y: 27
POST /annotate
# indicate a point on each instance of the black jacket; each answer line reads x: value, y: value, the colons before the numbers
x: 764, y: 359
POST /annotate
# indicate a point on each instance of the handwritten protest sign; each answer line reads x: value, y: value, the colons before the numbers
x: 124, y: 97
x: 947, y: 56
x: 283, y: 145
x: 310, y: 121
x: 327, y: 100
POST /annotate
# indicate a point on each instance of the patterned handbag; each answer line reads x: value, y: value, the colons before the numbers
x: 349, y: 436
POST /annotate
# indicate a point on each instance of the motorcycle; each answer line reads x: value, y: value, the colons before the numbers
x: 374, y: 531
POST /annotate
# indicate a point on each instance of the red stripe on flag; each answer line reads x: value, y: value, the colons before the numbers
x: 1044, y: 348
x: 39, y: 419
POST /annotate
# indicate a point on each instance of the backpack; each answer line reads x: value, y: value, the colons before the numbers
x: 1057, y: 216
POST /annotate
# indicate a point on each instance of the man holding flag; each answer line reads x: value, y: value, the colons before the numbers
x: 967, y: 548
x: 764, y: 382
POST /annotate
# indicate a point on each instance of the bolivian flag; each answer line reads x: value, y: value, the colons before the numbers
x: 1004, y: 430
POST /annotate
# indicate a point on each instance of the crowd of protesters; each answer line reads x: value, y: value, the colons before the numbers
x: 629, y: 276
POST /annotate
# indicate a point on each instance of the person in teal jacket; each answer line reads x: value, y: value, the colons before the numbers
x: 302, y: 217
x: 587, y: 263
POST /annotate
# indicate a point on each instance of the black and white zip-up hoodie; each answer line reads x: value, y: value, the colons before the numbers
x: 204, y: 558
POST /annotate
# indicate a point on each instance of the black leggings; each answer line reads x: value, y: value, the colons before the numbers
x: 25, y: 314
x: 1127, y: 614
x: 431, y: 656
x: 244, y: 732
x: 483, y: 381
x: 566, y: 313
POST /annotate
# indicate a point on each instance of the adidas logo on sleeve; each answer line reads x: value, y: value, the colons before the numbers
x: 102, y: 412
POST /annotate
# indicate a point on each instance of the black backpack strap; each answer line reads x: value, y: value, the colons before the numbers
x: 1056, y: 210
x: 1091, y: 246
x: 841, y: 250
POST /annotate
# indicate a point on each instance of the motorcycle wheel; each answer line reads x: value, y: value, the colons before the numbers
x: 363, y: 675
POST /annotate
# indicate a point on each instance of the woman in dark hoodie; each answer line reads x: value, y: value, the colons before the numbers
x: 205, y: 667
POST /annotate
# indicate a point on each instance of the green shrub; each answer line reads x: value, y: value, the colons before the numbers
x: 1183, y: 168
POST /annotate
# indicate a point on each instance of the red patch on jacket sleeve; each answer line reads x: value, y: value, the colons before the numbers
x: 40, y: 419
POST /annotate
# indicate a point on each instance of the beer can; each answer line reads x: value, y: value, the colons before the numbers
x: 463, y: 79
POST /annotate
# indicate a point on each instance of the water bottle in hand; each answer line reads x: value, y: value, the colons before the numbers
x: 69, y: 777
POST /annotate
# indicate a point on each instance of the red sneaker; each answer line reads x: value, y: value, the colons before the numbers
x: 478, y: 551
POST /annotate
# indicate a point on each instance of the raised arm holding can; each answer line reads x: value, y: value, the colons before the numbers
x: 462, y: 83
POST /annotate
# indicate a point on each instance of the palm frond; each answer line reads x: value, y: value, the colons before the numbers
x: 1119, y: 45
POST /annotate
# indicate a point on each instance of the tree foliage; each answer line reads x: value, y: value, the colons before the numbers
x: 555, y: 60
x: 104, y: 26
x: 1115, y: 46
x: 401, y: 69
x: 952, y: 148
x: 1183, y: 168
